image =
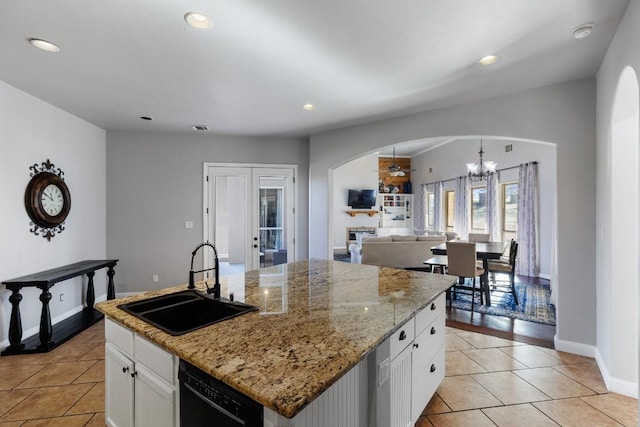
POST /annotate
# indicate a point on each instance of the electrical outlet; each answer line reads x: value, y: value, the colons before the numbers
x: 154, y: 278
x: 383, y: 372
x: 188, y: 224
x: 61, y: 297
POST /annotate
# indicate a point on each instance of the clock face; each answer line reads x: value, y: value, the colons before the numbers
x: 52, y: 200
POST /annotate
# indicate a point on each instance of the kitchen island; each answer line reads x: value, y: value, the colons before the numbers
x: 318, y: 323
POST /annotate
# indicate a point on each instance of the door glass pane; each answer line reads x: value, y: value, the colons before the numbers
x: 229, y: 211
x: 273, y: 250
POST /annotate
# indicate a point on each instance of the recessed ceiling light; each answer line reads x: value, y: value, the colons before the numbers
x: 488, y: 60
x: 44, y: 45
x: 582, y: 31
x: 309, y: 107
x: 146, y: 118
x: 198, y: 20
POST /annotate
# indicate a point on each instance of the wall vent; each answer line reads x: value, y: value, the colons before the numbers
x: 200, y: 127
x: 508, y: 148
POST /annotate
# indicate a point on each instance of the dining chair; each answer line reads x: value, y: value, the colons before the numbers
x: 508, y: 267
x: 461, y: 262
x: 479, y: 237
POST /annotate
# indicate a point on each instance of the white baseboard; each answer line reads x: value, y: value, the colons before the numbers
x: 545, y: 276
x: 616, y: 385
x: 574, y: 347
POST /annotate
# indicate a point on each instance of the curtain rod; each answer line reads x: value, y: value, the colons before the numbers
x: 498, y: 170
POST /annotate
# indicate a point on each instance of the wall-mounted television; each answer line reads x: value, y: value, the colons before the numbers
x: 362, y: 199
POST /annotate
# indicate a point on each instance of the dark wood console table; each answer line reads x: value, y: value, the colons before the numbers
x: 48, y: 338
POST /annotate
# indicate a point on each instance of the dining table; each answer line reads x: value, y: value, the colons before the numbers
x: 484, y: 251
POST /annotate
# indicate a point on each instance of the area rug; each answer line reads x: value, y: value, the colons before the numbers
x: 534, y: 304
x: 342, y: 257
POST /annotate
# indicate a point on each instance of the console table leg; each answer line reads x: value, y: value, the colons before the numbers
x: 111, y: 290
x: 46, y: 330
x: 91, y: 294
x: 15, y: 322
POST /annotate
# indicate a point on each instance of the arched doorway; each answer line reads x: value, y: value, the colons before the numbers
x: 621, y: 311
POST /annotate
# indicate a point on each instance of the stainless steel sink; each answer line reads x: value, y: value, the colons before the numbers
x: 185, y: 311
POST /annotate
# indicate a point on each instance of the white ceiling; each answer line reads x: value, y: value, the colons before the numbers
x: 250, y: 74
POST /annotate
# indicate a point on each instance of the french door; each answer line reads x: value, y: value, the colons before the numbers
x: 249, y: 215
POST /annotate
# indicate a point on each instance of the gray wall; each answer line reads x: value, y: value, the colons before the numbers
x: 155, y: 183
x: 562, y: 114
x: 32, y: 131
x: 615, y: 300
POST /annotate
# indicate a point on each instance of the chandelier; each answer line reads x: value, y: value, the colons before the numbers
x: 481, y: 170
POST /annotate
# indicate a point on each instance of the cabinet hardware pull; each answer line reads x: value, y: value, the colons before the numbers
x: 433, y: 368
x: 433, y: 330
x: 125, y: 369
x: 433, y: 306
x: 403, y: 336
x: 133, y: 374
x: 416, y: 345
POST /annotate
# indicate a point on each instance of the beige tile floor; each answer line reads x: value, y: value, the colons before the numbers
x: 489, y: 382
x: 64, y: 387
x: 495, y: 382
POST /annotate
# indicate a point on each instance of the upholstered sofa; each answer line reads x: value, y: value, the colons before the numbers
x: 395, y: 251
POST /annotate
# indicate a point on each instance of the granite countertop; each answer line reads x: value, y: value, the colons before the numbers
x: 317, y: 320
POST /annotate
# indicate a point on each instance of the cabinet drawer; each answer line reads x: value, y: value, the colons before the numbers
x: 401, y: 338
x: 155, y: 358
x: 427, y: 344
x: 428, y: 314
x: 426, y: 384
x: 119, y: 336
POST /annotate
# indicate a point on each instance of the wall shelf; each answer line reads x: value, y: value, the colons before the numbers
x: 370, y: 213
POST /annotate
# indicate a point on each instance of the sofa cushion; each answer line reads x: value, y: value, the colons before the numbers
x: 431, y: 239
x: 377, y: 239
x: 396, y: 238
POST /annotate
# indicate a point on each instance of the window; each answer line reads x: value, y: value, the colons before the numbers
x: 431, y: 211
x: 271, y: 220
x: 450, y: 209
x: 509, y: 210
x: 478, y: 209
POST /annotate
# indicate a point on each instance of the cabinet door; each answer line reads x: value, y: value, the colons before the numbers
x: 400, y: 389
x: 154, y: 400
x: 118, y: 388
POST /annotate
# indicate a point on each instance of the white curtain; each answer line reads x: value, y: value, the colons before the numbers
x: 421, y: 225
x: 461, y: 210
x: 527, y: 263
x: 493, y: 208
x: 437, y: 204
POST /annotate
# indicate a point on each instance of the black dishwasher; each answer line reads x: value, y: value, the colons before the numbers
x: 206, y: 401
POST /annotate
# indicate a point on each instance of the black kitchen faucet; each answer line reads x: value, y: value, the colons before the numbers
x: 216, y: 285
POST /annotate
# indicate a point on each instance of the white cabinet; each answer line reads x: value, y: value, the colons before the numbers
x: 396, y: 210
x: 417, y: 364
x: 400, y: 388
x: 141, y: 381
x: 119, y: 388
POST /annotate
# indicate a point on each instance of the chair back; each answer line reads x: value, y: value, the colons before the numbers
x: 513, y: 253
x: 479, y: 237
x: 462, y: 259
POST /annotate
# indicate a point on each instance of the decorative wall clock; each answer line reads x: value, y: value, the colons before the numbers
x: 47, y: 200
